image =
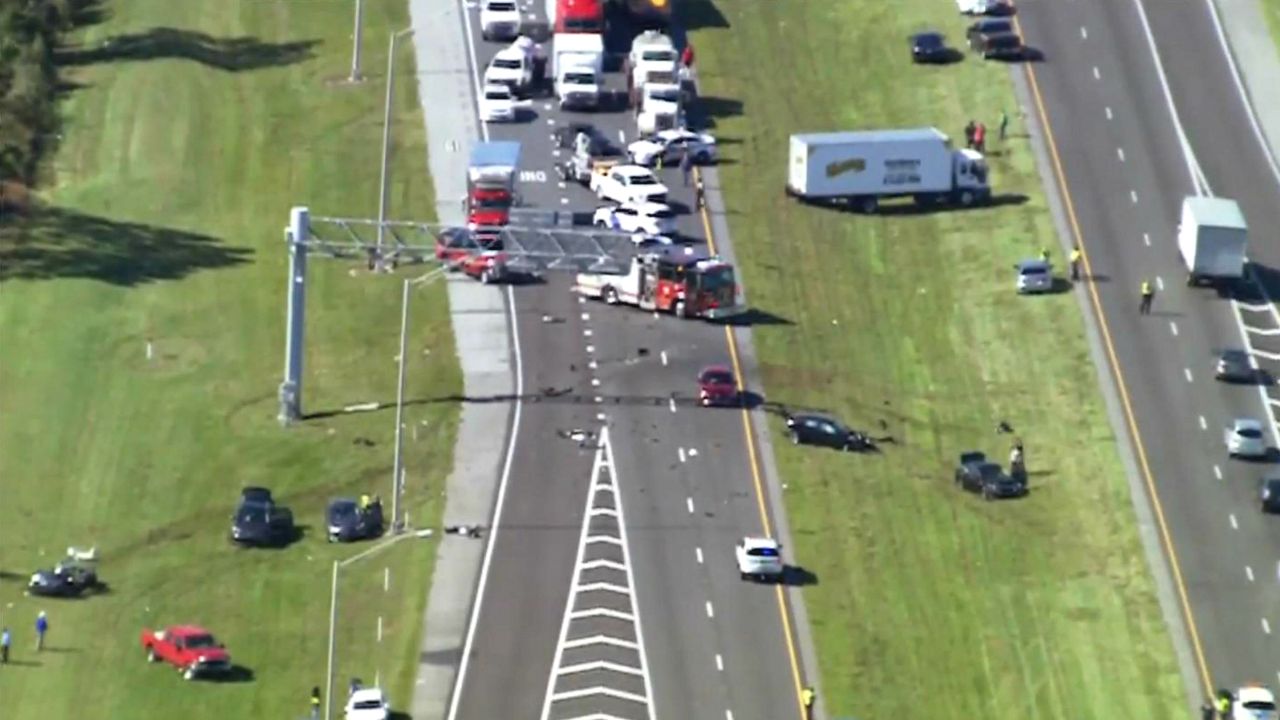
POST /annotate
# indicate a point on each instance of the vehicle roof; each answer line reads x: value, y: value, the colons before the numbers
x: 1248, y: 423
x: 685, y: 256
x: 497, y: 86
x: 716, y: 369
x: 760, y: 542
x: 646, y: 206
x: 497, y: 152
x: 369, y: 693
x: 1034, y: 265
x: 185, y: 631
x: 632, y: 170
x: 867, y: 136
x: 1215, y: 212
x: 1254, y: 693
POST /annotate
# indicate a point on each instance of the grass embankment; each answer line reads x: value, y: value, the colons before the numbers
x: 929, y: 602
x: 184, y: 150
x: 1271, y: 8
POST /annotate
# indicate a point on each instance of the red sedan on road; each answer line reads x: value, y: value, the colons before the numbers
x: 717, y: 386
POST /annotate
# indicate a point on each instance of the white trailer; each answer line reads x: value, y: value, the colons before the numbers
x: 863, y: 167
x: 1213, y: 239
x: 577, y: 64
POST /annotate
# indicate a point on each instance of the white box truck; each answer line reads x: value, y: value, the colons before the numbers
x: 863, y: 167
x: 577, y: 66
x: 1213, y: 239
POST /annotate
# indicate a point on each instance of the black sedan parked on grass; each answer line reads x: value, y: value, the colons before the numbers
x: 977, y: 474
x: 67, y: 579
x: 348, y: 519
x: 825, y: 431
x: 929, y: 46
x: 259, y: 521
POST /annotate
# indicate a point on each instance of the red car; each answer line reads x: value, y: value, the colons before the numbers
x: 717, y: 386
x: 190, y: 648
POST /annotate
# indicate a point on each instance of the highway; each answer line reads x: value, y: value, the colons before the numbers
x: 1128, y: 158
x: 682, y: 635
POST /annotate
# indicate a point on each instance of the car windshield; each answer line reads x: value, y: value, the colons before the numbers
x: 665, y: 94
x: 995, y: 26
x: 1259, y: 705
x: 506, y: 63
x: 1029, y: 271
x: 989, y: 471
x: 502, y: 7
x: 492, y: 203
x: 580, y: 78
x: 662, y: 214
x: 716, y: 278
x: 929, y: 40
x: 340, y: 511
x: 641, y: 180
x: 366, y: 705
x: 1251, y: 433
x: 764, y: 552
x: 658, y: 56
x: 199, y: 641
x: 497, y: 94
x: 252, y: 515
x: 717, y: 377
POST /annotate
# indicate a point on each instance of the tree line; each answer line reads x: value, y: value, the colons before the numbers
x: 30, y: 34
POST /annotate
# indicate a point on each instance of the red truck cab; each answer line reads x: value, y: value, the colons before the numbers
x: 491, y: 185
x: 577, y: 16
x: 190, y: 648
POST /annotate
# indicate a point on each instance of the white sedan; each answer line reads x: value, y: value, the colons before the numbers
x: 637, y: 217
x: 759, y: 558
x: 1254, y: 702
x: 985, y: 7
x: 498, y: 104
x: 367, y: 704
x: 672, y: 145
x: 1245, y: 439
x: 628, y: 183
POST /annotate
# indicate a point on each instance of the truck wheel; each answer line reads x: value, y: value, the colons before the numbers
x: 966, y: 198
x: 487, y: 276
x: 151, y: 655
x: 869, y: 205
x: 610, y: 296
x: 189, y: 674
x: 602, y: 224
x: 681, y: 310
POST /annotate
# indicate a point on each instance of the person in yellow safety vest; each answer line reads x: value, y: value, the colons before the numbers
x: 1148, y: 294
x: 1075, y: 263
x: 1224, y: 706
x: 1044, y: 254
x: 806, y: 698
x: 364, y: 502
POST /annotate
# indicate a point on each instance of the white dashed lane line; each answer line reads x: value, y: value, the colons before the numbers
x: 672, y: 401
x: 1234, y: 525
x: 1217, y: 472
x: 1203, y: 424
x: 1084, y: 33
x: 1120, y: 154
x: 1248, y: 572
x: 719, y: 662
x: 1266, y: 626
x: 1159, y: 283
x: 711, y: 611
x: 1146, y: 239
x: 1109, y: 115
x: 1187, y: 373
x: 663, y: 355
x: 698, y: 552
x: 1096, y: 74
x: 1173, y: 328
x: 680, y: 452
x: 688, y: 502
x: 1133, y: 196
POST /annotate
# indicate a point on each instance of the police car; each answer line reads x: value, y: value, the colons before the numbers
x: 1254, y: 702
x: 759, y: 558
x: 651, y: 218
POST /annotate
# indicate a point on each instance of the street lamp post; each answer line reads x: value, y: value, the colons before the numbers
x: 355, y: 47
x: 386, y: 135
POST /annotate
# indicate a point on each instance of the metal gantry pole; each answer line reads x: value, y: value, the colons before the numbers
x: 355, y: 47
x: 333, y: 627
x: 397, y: 473
x: 290, y: 392
x: 386, y: 134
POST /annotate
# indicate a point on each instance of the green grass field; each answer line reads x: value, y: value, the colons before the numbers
x: 1271, y: 8
x: 187, y: 140
x: 929, y: 602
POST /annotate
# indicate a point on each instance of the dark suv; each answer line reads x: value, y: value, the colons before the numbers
x: 977, y: 474
x: 821, y: 430
x: 987, y: 26
x: 259, y: 521
x: 1000, y: 46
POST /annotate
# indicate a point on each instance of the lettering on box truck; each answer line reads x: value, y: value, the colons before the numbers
x: 844, y: 166
x: 902, y: 172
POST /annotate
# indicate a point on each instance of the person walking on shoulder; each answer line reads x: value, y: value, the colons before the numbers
x: 807, y: 696
x: 1075, y: 263
x: 315, y: 703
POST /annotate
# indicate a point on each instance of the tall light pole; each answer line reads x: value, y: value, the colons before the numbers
x: 386, y: 134
x: 355, y: 47
x: 397, y: 471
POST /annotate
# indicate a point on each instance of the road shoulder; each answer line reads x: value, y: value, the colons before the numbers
x: 1257, y: 61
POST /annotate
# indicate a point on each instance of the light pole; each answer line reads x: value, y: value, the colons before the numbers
x: 386, y: 135
x: 355, y: 48
x: 333, y: 626
x: 397, y: 471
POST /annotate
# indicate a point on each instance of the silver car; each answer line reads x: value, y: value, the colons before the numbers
x: 1034, y: 276
x: 1245, y: 439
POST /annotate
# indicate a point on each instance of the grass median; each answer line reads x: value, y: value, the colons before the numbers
x: 929, y: 602
x: 190, y: 131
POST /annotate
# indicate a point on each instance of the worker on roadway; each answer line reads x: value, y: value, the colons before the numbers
x: 699, y: 193
x: 1075, y: 263
x: 807, y: 696
x: 1224, y: 704
x: 1148, y: 294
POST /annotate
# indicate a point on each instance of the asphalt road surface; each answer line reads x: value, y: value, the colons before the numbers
x: 1128, y: 166
x: 715, y: 646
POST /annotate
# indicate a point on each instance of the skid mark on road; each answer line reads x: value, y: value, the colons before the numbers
x: 600, y: 670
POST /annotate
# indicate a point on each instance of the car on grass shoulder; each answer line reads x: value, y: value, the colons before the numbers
x: 498, y: 103
x: 72, y: 577
x: 1234, y: 366
x: 1034, y: 276
x: 190, y: 648
x: 1000, y: 46
x: 1244, y: 439
x: 349, y: 519
x: 1254, y: 702
x: 822, y: 430
x: 259, y: 521
x: 976, y: 474
x: 499, y: 20
x: 672, y: 145
x: 367, y: 703
x: 929, y: 46
x: 637, y: 217
x: 628, y: 183
x: 759, y: 558
x: 987, y: 26
x: 717, y: 386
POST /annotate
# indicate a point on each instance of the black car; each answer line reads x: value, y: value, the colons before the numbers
x: 1234, y: 366
x: 348, y: 519
x: 1000, y: 46
x: 988, y: 26
x: 977, y: 474
x: 67, y: 579
x: 1269, y: 494
x: 258, y: 520
x: 929, y: 47
x: 566, y: 138
x: 829, y: 432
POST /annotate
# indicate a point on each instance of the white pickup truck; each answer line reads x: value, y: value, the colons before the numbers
x: 660, y: 108
x: 499, y: 20
x: 512, y: 66
x: 577, y: 62
x: 628, y: 184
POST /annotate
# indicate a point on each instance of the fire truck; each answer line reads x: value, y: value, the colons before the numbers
x: 675, y: 280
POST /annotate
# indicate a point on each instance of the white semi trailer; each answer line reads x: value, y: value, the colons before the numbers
x: 1213, y: 239
x: 864, y: 167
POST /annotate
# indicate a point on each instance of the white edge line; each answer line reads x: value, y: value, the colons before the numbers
x: 1262, y: 392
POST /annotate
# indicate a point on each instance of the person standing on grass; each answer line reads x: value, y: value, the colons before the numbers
x: 980, y: 138
x: 1004, y: 125
x: 6, y: 639
x: 686, y: 55
x: 315, y: 703
x: 42, y: 627
x: 969, y: 131
x: 1075, y: 263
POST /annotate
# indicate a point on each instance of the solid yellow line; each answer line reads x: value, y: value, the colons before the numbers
x: 1131, y: 420
x: 756, y: 475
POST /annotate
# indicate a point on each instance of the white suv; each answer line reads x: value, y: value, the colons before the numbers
x: 759, y: 558
x: 499, y: 20
x: 643, y: 217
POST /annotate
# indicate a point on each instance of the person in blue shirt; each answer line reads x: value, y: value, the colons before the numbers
x: 6, y: 640
x: 42, y: 626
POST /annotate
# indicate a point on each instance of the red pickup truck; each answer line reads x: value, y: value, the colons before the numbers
x: 190, y: 648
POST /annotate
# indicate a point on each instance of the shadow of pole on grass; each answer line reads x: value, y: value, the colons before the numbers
x: 61, y: 243
x: 230, y: 54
